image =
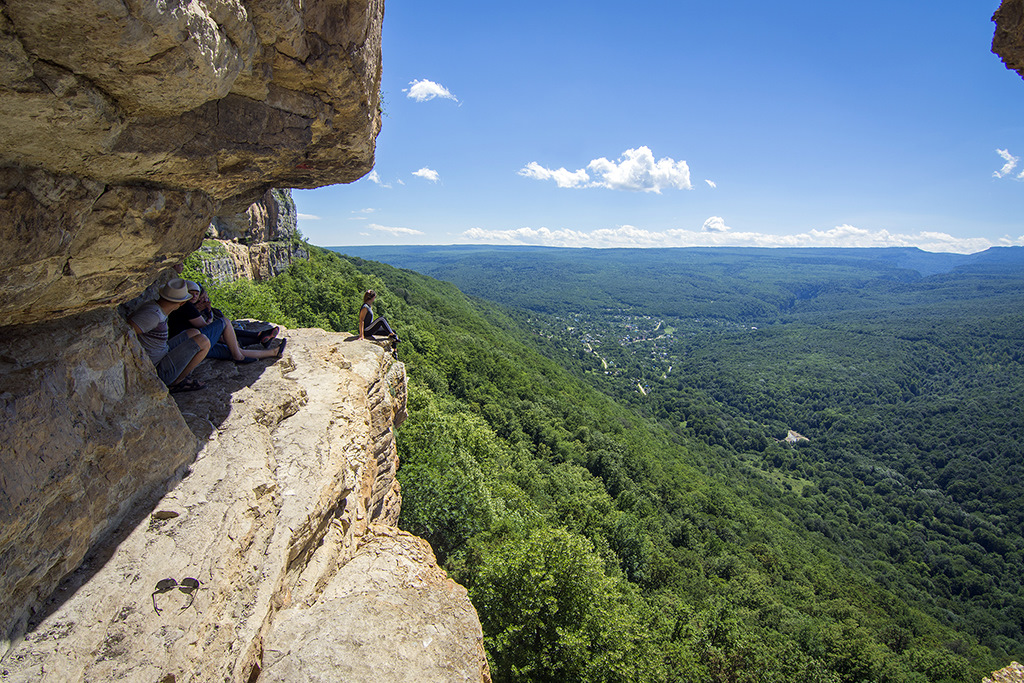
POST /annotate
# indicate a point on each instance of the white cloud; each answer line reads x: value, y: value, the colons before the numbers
x: 715, y: 233
x: 374, y: 177
x: 711, y: 183
x: 561, y: 176
x: 395, y: 231
x: 635, y: 171
x: 423, y: 91
x: 427, y: 173
x: 715, y: 224
x: 307, y: 217
x: 1011, y: 163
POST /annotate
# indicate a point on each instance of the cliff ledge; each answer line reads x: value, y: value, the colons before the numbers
x: 287, y: 520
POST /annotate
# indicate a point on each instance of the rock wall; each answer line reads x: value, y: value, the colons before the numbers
x: 1008, y: 40
x: 129, y: 126
x: 1014, y: 673
x: 256, y: 244
x: 89, y: 434
x: 287, y: 519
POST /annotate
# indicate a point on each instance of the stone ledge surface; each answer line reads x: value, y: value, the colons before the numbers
x: 297, y: 463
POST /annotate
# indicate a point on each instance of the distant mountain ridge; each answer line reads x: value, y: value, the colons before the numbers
x: 761, y: 285
x: 424, y: 258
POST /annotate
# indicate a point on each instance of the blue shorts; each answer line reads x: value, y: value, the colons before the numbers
x: 181, y: 350
x: 213, y: 332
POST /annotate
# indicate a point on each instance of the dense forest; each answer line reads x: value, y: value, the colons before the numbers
x: 603, y: 466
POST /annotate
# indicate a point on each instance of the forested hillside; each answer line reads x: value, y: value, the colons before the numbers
x: 609, y: 533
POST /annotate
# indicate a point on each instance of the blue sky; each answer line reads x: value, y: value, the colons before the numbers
x: 680, y: 123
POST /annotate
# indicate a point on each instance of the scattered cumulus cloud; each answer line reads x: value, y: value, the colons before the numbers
x: 715, y: 224
x: 395, y: 231
x: 374, y: 177
x: 1011, y: 163
x: 711, y: 183
x: 715, y: 233
x: 635, y: 171
x: 424, y: 90
x: 362, y: 214
x: 427, y: 173
x: 307, y: 217
x: 561, y: 176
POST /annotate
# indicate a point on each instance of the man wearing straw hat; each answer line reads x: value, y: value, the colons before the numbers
x: 174, y: 358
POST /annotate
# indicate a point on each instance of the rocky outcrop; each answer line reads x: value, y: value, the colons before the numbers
x: 273, y: 218
x: 286, y: 519
x: 255, y: 245
x: 82, y: 244
x: 129, y: 126
x: 1008, y: 40
x: 88, y: 434
x: 1011, y: 674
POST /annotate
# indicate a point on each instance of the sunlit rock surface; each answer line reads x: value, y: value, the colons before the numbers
x: 286, y: 518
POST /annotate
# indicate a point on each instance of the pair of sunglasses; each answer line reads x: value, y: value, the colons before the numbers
x: 187, y: 585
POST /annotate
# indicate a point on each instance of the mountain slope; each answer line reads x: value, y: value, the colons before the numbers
x: 597, y: 543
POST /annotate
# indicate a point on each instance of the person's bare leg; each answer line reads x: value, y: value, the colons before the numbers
x: 231, y: 341
x: 259, y: 353
x: 204, y: 348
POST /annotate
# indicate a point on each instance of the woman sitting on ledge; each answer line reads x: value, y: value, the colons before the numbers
x: 369, y: 327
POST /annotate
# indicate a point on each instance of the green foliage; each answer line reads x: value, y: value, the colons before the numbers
x: 552, y: 614
x: 608, y: 535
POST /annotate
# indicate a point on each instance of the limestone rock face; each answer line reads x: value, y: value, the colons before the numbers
x: 80, y: 245
x: 394, y: 580
x: 226, y: 95
x: 255, y: 245
x: 88, y: 433
x: 1014, y: 673
x: 1008, y: 41
x: 127, y: 126
x: 286, y: 517
x: 271, y: 219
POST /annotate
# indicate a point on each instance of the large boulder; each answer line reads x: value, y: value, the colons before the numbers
x: 129, y: 125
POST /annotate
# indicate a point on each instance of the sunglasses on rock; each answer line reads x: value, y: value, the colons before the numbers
x: 187, y: 585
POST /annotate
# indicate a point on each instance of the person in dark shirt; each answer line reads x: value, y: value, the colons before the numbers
x: 369, y: 327
x: 196, y: 313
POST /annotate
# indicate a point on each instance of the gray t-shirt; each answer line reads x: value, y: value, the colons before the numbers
x: 150, y: 318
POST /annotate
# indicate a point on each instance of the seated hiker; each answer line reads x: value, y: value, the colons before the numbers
x: 174, y: 356
x: 263, y: 334
x: 197, y: 314
x: 368, y: 327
